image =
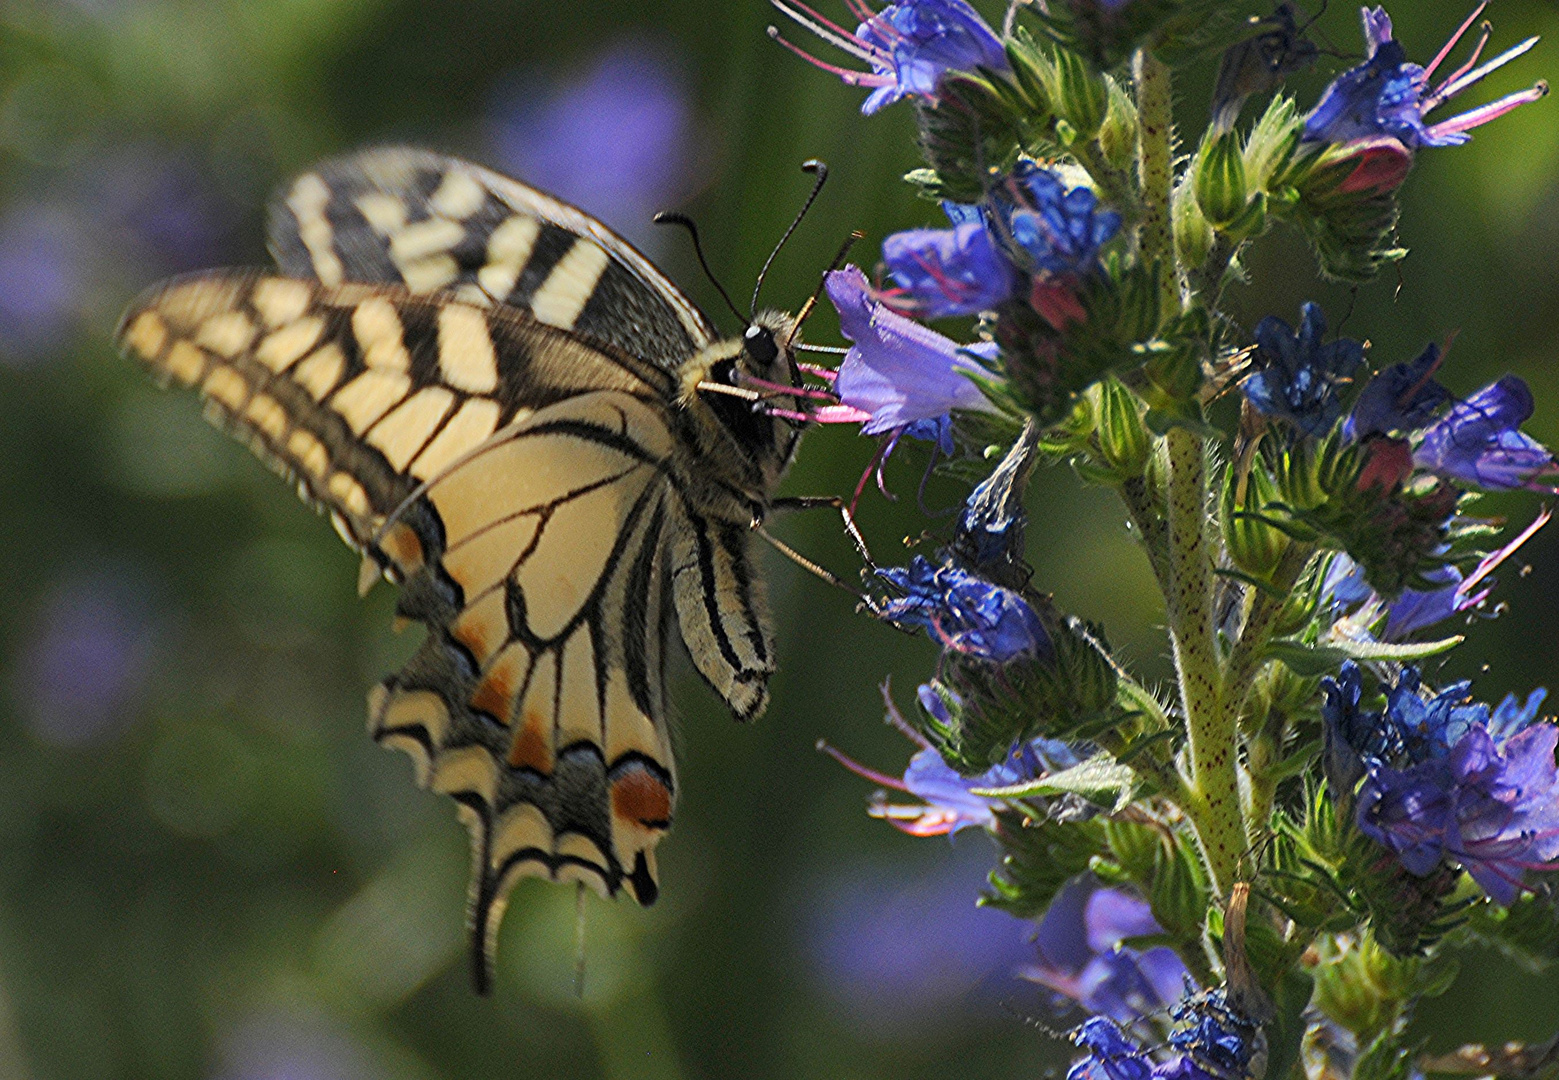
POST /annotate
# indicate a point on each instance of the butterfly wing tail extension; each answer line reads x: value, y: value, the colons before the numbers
x: 723, y: 611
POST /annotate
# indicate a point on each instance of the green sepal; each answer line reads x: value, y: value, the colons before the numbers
x: 1038, y: 859
x: 1194, y: 237
x: 1311, y: 659
x: 1253, y: 544
x: 1118, y: 137
x: 1100, y: 779
x: 1123, y: 440
x: 1270, y: 150
x: 1078, y: 93
x: 1179, y: 893
x: 1218, y: 177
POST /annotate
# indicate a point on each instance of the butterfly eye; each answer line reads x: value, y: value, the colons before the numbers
x: 759, y: 345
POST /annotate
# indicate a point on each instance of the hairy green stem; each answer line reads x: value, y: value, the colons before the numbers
x: 1149, y: 523
x: 1246, y: 657
x: 1215, y: 809
x: 1115, y: 186
x: 1155, y: 168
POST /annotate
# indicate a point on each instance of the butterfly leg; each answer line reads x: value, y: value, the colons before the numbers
x: 829, y: 502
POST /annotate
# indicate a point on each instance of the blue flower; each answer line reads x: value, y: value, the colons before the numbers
x: 898, y: 372
x: 964, y: 613
x: 1051, y: 228
x: 1082, y: 958
x: 945, y: 272
x: 1398, y: 400
x: 1490, y: 805
x: 1111, y: 1055
x: 1350, y: 732
x: 1388, y: 96
x: 909, y: 46
x: 1479, y: 441
x: 1216, y: 1037
x: 948, y: 803
x: 1298, y: 373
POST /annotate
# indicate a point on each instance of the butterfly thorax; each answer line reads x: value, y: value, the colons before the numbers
x: 738, y: 449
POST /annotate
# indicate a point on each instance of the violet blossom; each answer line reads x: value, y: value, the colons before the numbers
x: 897, y: 372
x: 946, y: 272
x: 1479, y: 441
x: 964, y: 613
x: 909, y: 46
x: 1298, y: 373
x: 1389, y: 96
x: 1053, y: 229
x: 1082, y: 957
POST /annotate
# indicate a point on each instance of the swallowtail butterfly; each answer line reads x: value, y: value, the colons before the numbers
x: 497, y: 401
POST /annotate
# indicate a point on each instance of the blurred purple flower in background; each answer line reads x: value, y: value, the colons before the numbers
x: 282, y: 1047
x: 615, y: 139
x: 1082, y: 960
x: 43, y: 275
x: 903, y: 947
x: 158, y: 206
x: 87, y: 658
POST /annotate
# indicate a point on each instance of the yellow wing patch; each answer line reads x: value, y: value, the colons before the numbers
x: 536, y: 701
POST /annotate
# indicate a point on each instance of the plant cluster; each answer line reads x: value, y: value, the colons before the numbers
x: 1262, y: 869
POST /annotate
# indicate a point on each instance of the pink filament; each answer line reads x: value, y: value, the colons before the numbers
x: 1451, y: 44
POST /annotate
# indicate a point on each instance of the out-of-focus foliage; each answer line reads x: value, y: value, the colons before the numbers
x: 206, y: 869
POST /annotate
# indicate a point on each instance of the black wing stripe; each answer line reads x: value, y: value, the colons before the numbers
x: 405, y: 216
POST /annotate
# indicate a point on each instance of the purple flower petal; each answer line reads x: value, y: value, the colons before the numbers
x: 898, y: 371
x: 1479, y: 441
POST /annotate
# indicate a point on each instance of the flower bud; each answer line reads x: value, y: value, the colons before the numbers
x: 1123, y: 440
x: 1219, y: 178
x: 1179, y: 894
x: 1079, y: 93
x: 1193, y: 236
x: 1118, y: 136
x: 1269, y: 155
x: 1254, y: 545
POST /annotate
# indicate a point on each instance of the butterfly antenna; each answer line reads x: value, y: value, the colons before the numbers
x: 806, y: 309
x: 811, y: 166
x: 666, y: 217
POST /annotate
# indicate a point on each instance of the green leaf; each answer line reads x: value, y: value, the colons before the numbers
x: 1305, y: 659
x: 1286, y: 1032
x: 1527, y: 932
x: 1100, y: 779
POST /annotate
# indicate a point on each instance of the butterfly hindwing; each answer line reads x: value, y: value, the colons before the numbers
x: 537, y: 700
x: 431, y: 222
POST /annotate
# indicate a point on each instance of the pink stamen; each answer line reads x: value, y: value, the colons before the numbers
x: 1456, y: 86
x: 1488, y: 565
x: 1449, y: 45
x: 1492, y: 111
x: 882, y: 460
x: 817, y: 371
x: 896, y: 719
x: 1472, y: 61
x: 850, y: 77
x: 831, y: 31
x: 861, y: 770
x: 916, y: 820
x: 865, y: 476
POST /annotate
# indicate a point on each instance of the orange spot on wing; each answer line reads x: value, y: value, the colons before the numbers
x: 640, y: 797
x: 402, y: 544
x: 532, y: 748
x: 494, y: 695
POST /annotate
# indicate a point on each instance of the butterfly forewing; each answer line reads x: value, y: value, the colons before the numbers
x: 431, y: 222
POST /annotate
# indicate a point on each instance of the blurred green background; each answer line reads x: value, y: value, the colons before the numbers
x: 206, y: 868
